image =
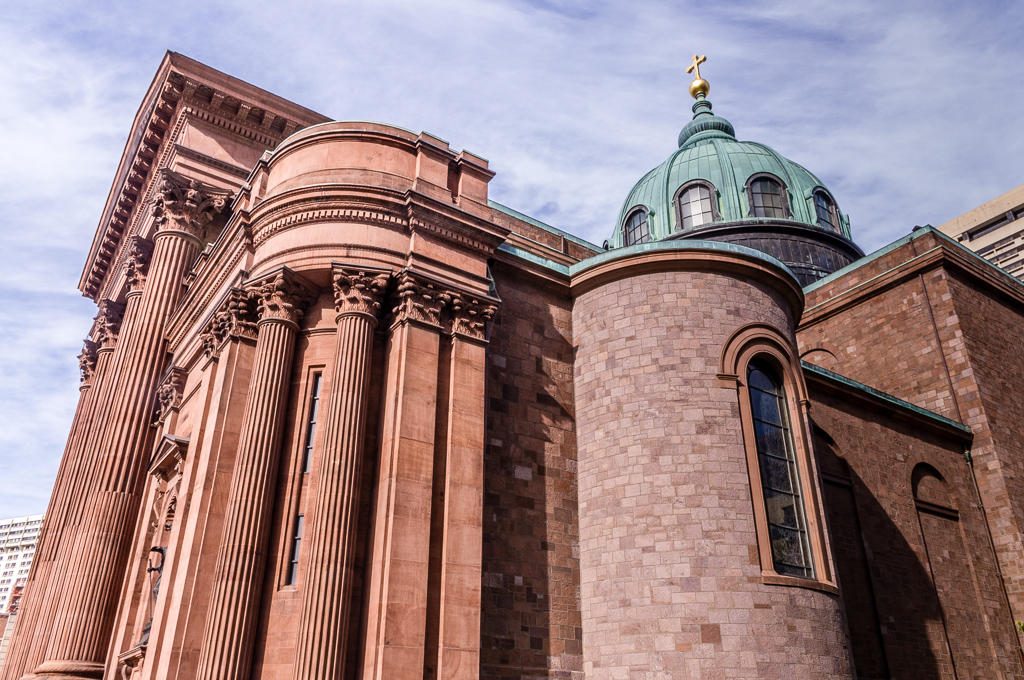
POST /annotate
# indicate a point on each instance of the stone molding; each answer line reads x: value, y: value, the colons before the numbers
x: 306, y: 210
x: 87, y: 360
x: 188, y: 205
x: 136, y: 261
x: 170, y: 392
x: 235, y: 317
x: 107, y: 325
x: 359, y: 290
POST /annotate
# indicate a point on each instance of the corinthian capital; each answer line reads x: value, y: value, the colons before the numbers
x: 107, y: 324
x: 236, y: 317
x: 359, y: 290
x: 470, y: 315
x: 136, y: 261
x: 168, y: 395
x: 87, y: 360
x: 419, y: 300
x: 281, y: 296
x: 185, y: 204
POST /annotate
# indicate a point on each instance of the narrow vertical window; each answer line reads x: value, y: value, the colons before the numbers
x: 293, y: 567
x: 780, y: 479
x: 314, y: 407
x: 766, y: 198
x: 636, y: 230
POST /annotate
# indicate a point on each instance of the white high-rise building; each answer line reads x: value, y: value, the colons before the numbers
x: 18, y: 539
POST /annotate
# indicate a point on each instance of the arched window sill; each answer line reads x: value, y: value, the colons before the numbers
x: 774, y: 579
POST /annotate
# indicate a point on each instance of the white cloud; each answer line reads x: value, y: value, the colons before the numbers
x: 908, y: 111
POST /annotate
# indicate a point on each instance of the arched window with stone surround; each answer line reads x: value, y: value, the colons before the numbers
x: 763, y: 366
x: 695, y: 204
x: 780, y: 476
x: 767, y: 197
x: 636, y: 229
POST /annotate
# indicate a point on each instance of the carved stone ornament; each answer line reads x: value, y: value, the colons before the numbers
x: 108, y: 323
x: 419, y: 300
x: 281, y: 296
x: 236, y: 317
x: 168, y: 395
x: 136, y: 261
x: 470, y: 316
x: 87, y: 360
x: 186, y: 204
x: 358, y: 290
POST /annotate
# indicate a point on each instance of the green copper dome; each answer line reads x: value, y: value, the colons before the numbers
x: 710, y: 154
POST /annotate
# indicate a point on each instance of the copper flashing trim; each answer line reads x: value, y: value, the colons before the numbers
x: 900, y: 409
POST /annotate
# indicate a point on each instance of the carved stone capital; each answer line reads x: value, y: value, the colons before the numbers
x: 87, y: 360
x: 168, y: 395
x: 419, y: 300
x: 236, y: 317
x: 108, y: 323
x: 136, y: 261
x: 186, y: 204
x: 470, y: 315
x: 281, y: 296
x: 358, y: 290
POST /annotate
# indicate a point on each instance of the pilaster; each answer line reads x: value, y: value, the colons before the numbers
x: 398, y: 584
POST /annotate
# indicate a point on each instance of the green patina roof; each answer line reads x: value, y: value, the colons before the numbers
x: 709, y: 151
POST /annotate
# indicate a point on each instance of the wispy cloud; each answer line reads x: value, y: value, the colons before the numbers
x: 908, y: 111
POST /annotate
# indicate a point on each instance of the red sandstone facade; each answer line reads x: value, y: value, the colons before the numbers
x: 343, y: 417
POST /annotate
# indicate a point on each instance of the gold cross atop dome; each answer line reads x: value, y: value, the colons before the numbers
x: 699, y: 86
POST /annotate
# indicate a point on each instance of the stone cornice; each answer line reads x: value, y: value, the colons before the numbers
x: 454, y: 225
x: 182, y: 88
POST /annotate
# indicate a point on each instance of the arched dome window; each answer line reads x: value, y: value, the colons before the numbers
x: 767, y: 197
x: 636, y: 230
x: 695, y: 203
x: 825, y: 209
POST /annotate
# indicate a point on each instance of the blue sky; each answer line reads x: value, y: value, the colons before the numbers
x: 909, y: 111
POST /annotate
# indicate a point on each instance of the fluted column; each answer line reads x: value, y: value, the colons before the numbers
x: 398, y: 585
x: 95, y: 566
x: 327, y: 585
x: 238, y: 578
x: 93, y: 362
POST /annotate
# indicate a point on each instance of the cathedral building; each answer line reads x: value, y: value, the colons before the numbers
x: 342, y: 416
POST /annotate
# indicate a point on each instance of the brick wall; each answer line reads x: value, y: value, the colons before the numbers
x: 915, y: 584
x: 531, y: 617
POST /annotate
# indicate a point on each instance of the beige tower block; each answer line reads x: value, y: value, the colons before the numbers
x: 674, y: 579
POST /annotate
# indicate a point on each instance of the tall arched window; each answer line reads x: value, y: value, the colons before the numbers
x: 780, y: 478
x: 696, y: 205
x: 635, y: 230
x: 828, y: 216
x: 767, y: 198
